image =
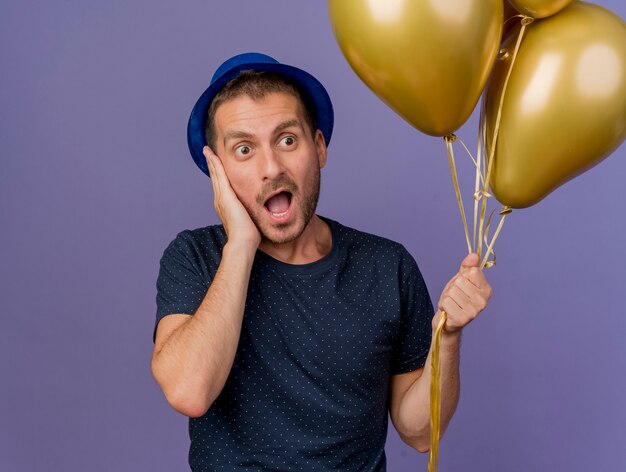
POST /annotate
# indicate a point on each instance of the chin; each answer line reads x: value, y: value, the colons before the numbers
x: 287, y: 234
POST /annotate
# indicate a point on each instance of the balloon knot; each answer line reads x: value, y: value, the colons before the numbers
x: 527, y: 20
x: 505, y: 210
x: 503, y: 54
x: 450, y: 138
x: 481, y: 194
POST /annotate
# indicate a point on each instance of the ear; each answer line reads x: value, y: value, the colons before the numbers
x: 320, y: 147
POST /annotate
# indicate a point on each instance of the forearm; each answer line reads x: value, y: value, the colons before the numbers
x: 194, y: 362
x: 414, y: 411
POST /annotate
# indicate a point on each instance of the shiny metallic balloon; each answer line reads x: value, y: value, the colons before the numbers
x: 539, y: 8
x: 428, y: 60
x: 565, y: 105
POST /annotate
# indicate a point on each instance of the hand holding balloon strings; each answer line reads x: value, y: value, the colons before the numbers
x: 481, y: 194
x: 553, y: 107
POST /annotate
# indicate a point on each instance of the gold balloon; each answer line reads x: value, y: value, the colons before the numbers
x: 539, y: 8
x: 428, y: 60
x: 564, y: 108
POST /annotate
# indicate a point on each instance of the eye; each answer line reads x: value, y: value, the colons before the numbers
x: 243, y: 150
x: 287, y: 141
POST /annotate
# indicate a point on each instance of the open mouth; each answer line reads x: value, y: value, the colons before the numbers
x: 279, y: 204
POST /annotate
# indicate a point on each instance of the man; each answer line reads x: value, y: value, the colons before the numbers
x: 285, y: 336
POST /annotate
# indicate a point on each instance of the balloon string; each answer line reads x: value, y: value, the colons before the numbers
x: 478, y: 192
x: 435, y: 377
x: 435, y: 398
x: 449, y: 139
x: 486, y: 262
x: 521, y: 15
x: 476, y: 163
x: 526, y: 20
x: 478, y: 181
x: 483, y: 233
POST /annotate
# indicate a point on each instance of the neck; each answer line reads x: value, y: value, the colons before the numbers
x: 313, y: 244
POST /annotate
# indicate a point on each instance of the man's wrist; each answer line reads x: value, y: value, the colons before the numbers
x: 240, y: 247
x: 450, y: 336
x: 450, y: 343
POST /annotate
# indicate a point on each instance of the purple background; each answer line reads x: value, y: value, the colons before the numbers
x: 96, y: 180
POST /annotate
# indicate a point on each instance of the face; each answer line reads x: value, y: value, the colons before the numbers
x: 272, y: 160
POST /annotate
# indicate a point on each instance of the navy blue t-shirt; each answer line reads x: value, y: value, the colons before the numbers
x: 308, y: 390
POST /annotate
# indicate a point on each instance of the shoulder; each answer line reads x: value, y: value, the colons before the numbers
x: 203, y: 241
x: 373, y: 251
x: 371, y: 245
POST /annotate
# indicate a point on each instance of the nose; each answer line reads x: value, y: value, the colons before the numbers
x: 271, y: 164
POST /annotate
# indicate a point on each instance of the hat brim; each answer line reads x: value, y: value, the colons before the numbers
x: 196, y: 138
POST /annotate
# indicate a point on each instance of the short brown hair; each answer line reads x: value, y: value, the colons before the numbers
x: 257, y: 84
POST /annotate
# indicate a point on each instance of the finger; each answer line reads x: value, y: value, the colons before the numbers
x: 226, y: 193
x: 206, y: 150
x: 216, y: 162
x: 215, y: 181
x: 468, y: 288
x: 448, y: 285
x: 453, y: 310
x: 478, y: 297
x: 475, y: 276
x: 212, y: 158
x: 471, y: 260
x: 447, y: 296
x: 437, y: 318
x: 461, y: 298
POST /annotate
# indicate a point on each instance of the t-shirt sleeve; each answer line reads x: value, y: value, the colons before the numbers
x: 417, y: 309
x: 181, y: 287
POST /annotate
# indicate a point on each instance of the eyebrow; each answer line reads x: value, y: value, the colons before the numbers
x: 238, y: 134
x: 287, y: 124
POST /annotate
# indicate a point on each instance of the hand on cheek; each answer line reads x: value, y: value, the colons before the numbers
x: 235, y: 218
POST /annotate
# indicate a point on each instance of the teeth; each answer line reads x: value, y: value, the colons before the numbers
x: 280, y: 214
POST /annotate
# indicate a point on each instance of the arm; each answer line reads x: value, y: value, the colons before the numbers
x: 410, y: 402
x: 193, y: 355
x: 463, y: 298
